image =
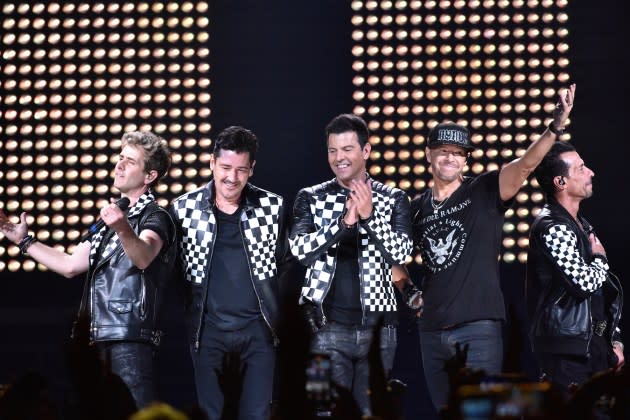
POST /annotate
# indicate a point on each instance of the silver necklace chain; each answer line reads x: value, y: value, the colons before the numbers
x: 437, y: 207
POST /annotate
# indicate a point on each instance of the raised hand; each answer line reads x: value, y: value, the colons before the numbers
x: 564, y: 107
x: 114, y: 217
x: 14, y: 232
x: 351, y: 216
x: 362, y: 194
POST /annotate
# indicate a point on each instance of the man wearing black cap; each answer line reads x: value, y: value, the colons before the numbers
x: 457, y: 227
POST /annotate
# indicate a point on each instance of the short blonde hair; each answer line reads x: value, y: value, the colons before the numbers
x: 157, y: 154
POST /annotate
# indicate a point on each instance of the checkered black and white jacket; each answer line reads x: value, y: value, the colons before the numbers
x: 562, y: 276
x: 384, y: 239
x: 262, y: 227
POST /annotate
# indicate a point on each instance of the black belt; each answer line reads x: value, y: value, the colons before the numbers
x: 599, y: 327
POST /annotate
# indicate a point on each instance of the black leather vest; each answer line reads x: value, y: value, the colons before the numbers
x: 122, y: 301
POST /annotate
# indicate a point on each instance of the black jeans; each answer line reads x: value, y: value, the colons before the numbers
x: 233, y: 360
x: 563, y: 370
x: 348, y: 347
x: 133, y: 362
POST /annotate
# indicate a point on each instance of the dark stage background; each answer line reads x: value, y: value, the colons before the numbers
x: 283, y: 69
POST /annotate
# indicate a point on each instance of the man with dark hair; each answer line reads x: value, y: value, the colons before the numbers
x: 573, y: 301
x: 349, y: 231
x: 128, y: 262
x: 457, y: 225
x: 231, y: 242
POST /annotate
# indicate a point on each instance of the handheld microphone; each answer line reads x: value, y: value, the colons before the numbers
x: 122, y: 204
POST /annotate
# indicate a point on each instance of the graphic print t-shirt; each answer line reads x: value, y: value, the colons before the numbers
x: 460, y: 245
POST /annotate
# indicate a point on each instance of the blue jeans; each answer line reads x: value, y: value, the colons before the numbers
x: 348, y: 347
x: 485, y: 351
x: 133, y: 362
x: 234, y: 361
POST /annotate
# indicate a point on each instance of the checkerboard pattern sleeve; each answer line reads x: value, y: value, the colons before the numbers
x: 197, y: 234
x: 395, y: 244
x: 377, y: 290
x: 318, y: 213
x: 561, y: 242
x: 260, y: 226
x: 260, y: 229
x: 325, y: 214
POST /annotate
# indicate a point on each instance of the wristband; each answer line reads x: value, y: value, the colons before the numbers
x: 25, y: 243
x: 347, y: 226
x: 367, y: 219
x: 555, y: 130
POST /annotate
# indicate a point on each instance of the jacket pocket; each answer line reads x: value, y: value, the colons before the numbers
x: 120, y: 306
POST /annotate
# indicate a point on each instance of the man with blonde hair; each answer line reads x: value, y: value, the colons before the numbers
x: 128, y: 259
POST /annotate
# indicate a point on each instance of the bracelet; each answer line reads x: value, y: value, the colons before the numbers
x: 25, y: 243
x: 347, y: 226
x: 555, y: 130
x: 24, y: 240
x: 367, y: 219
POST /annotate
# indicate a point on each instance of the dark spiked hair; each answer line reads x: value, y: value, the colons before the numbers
x: 238, y: 140
x: 552, y: 166
x: 349, y: 122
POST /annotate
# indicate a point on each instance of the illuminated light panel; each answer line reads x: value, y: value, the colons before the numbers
x: 495, y: 66
x: 75, y: 77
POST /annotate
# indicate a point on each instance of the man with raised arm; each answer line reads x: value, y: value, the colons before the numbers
x: 128, y: 262
x: 457, y: 226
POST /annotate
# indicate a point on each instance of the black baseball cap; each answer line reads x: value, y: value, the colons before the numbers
x: 450, y: 133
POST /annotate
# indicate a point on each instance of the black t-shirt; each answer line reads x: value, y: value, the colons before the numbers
x: 460, y: 245
x: 343, y: 301
x: 160, y: 223
x: 231, y: 302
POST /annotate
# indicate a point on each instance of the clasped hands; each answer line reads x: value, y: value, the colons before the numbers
x: 359, y: 202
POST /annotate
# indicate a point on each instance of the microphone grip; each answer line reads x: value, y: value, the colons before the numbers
x: 95, y: 227
x: 122, y: 204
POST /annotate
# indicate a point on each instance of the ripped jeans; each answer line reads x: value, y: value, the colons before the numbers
x: 348, y: 346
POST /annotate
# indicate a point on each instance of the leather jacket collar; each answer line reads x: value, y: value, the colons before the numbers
x: 554, y: 207
x: 333, y: 186
x: 342, y: 188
